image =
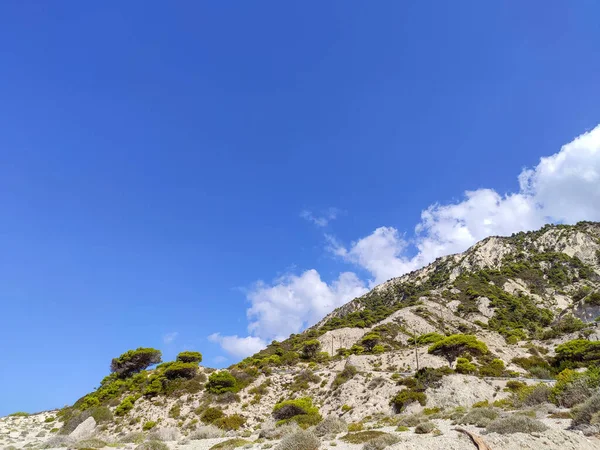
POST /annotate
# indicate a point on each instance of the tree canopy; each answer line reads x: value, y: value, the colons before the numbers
x: 134, y: 361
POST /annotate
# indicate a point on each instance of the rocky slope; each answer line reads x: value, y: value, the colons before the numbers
x: 520, y: 296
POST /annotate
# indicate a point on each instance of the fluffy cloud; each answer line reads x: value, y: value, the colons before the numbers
x: 564, y: 187
x: 238, y: 346
x: 323, y: 220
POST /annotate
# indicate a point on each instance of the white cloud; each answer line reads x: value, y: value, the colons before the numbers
x: 289, y: 305
x: 170, y: 337
x: 322, y: 220
x: 564, y: 187
x: 238, y: 346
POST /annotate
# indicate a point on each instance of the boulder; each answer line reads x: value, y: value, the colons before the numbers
x: 84, y: 430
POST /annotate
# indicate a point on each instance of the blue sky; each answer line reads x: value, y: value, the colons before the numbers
x: 211, y: 176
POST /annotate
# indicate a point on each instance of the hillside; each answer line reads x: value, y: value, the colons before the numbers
x: 506, y: 331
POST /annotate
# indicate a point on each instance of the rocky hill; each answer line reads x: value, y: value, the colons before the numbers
x: 501, y: 340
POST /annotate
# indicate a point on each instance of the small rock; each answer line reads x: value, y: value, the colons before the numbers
x: 85, y: 429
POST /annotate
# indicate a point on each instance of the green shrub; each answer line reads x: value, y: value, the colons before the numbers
x: 227, y: 423
x: 219, y: 382
x: 125, y: 406
x: 301, y: 440
x: 206, y: 432
x: 515, y: 386
x: 331, y: 425
x: 369, y: 341
x: 493, y: 369
x: 346, y: 408
x: 175, y: 411
x: 362, y: 436
x: 300, y: 410
x: 230, y: 444
x: 573, y: 387
x: 310, y: 349
x: 181, y: 370
x: 152, y: 445
x: 456, y: 345
x: 535, y: 395
x: 148, y: 425
x: 464, y: 366
x: 101, y: 414
x: 578, y: 353
x: 134, y: 361
x: 211, y: 414
x: 480, y: 417
x: 426, y: 339
x: 72, y: 420
x: 19, y: 414
x: 593, y: 299
x: 406, y: 397
x: 92, y: 442
x: 134, y: 437
x: 516, y: 423
x: 355, y: 426
x: 583, y: 414
x: 425, y: 427
x: 381, y: 442
x: 345, y: 375
x: 190, y: 357
x: 302, y: 380
x: 378, y: 349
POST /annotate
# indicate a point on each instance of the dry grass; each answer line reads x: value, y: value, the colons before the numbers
x: 516, y: 423
x: 301, y: 440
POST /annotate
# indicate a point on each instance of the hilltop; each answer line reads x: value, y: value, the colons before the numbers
x: 501, y: 338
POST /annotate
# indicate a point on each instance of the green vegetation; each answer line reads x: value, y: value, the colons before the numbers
x: 187, y: 370
x: 148, y: 425
x: 406, y: 397
x: 426, y: 339
x: 578, y: 353
x: 369, y: 341
x: 300, y: 410
x: 189, y: 357
x: 19, y: 414
x: 125, y: 406
x: 310, y: 349
x: 230, y: 444
x: 516, y: 423
x: 210, y: 415
x: 220, y: 382
x: 134, y: 361
x: 152, y: 445
x: 362, y: 436
x: 495, y: 368
x: 464, y: 366
x: 227, y: 423
x: 458, y: 344
x: 345, y: 375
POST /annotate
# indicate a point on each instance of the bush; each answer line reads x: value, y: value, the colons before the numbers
x: 310, y: 349
x: 515, y: 423
x: 480, y: 417
x: 573, y: 387
x: 345, y: 375
x: 230, y: 444
x: 494, y: 369
x: 19, y: 414
x: 148, y: 425
x: 101, y: 414
x: 301, y: 440
x: 152, y: 445
x: 381, y: 442
x: 134, y: 361
x: 165, y: 434
x: 91, y: 443
x: 57, y: 442
x: 362, y: 436
x: 458, y: 344
x: 425, y: 427
x: 300, y: 410
x: 270, y: 430
x: 356, y: 426
x: 582, y: 415
x: 578, y: 353
x: 211, y: 414
x: 125, y: 406
x: 331, y: 425
x: 220, y: 382
x: 369, y: 341
x: 464, y: 366
x: 73, y: 421
x: 206, y: 432
x: 181, y: 370
x: 406, y: 397
x: 226, y: 398
x: 426, y: 339
x: 228, y: 423
x: 133, y: 438
x: 535, y: 395
x: 190, y: 357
